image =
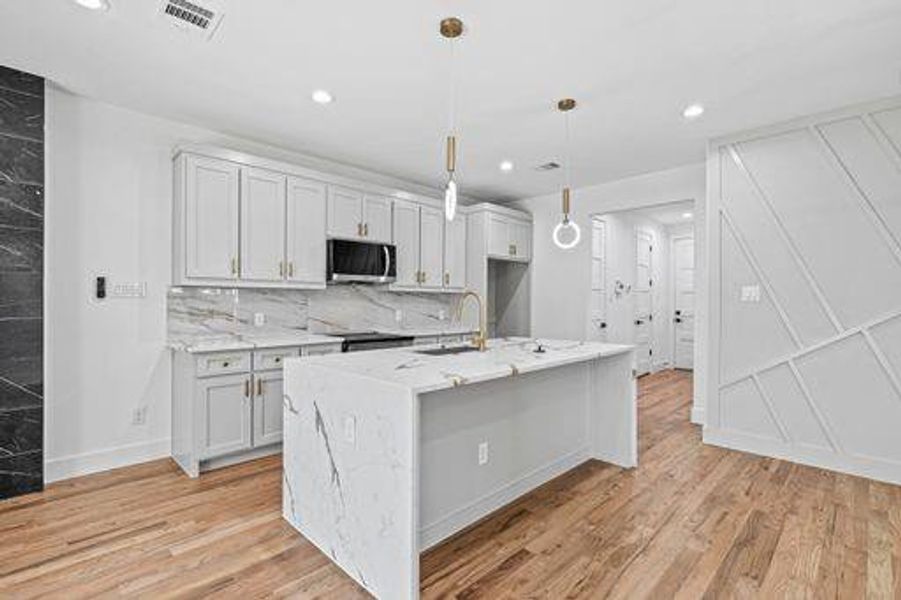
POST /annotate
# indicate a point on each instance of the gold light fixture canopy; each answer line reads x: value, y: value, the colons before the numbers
x: 566, y: 105
x: 451, y: 27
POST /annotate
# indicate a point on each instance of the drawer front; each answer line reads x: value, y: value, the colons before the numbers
x: 223, y: 363
x: 274, y: 358
x: 320, y: 349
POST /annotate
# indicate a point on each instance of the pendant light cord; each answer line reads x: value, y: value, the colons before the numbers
x: 451, y: 125
x: 567, y: 155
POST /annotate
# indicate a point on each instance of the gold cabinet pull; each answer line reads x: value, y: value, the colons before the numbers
x: 234, y: 266
x: 281, y: 269
x: 259, y: 386
x: 365, y: 229
x: 291, y: 268
x: 447, y: 279
x: 247, y: 388
x: 359, y: 230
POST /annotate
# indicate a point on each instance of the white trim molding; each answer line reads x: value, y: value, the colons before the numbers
x: 76, y: 465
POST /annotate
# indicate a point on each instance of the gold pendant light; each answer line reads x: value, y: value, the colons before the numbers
x: 451, y: 28
x: 567, y: 233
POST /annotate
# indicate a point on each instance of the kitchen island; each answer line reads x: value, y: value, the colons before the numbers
x: 387, y: 453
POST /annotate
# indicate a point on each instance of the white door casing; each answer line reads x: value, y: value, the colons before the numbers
x: 598, y: 325
x: 683, y: 301
x: 643, y: 308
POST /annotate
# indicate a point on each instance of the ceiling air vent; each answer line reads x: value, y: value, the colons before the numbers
x: 548, y: 166
x: 194, y: 17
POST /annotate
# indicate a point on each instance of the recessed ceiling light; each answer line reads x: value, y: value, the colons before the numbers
x: 94, y: 4
x: 322, y: 97
x: 693, y: 111
x: 687, y: 215
x: 506, y: 166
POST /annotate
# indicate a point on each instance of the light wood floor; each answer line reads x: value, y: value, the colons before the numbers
x: 691, y: 521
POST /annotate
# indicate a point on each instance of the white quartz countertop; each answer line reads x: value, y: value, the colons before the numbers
x: 505, y: 357
x: 251, y: 342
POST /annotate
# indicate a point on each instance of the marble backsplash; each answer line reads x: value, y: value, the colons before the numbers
x: 196, y: 313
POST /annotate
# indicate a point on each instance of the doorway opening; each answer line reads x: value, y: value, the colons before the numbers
x: 642, y: 288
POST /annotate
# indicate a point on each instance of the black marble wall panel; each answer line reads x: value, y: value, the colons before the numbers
x: 21, y: 282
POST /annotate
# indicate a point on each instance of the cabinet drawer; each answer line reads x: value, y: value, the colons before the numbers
x: 223, y: 363
x: 273, y: 358
x: 320, y: 349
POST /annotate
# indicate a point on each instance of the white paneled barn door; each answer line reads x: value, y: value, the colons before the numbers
x: 805, y: 279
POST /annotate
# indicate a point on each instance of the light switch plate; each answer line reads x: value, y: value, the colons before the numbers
x: 350, y: 430
x: 750, y: 293
x: 398, y: 315
x: 259, y: 319
x: 127, y: 289
x: 483, y: 453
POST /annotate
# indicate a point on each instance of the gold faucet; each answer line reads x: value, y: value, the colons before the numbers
x: 480, y: 340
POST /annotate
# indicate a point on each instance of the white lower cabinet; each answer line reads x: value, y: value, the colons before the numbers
x: 224, y: 415
x: 227, y: 406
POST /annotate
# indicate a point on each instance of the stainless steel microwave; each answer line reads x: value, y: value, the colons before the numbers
x: 350, y: 261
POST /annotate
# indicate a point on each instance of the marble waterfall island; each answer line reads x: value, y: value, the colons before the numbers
x: 388, y: 452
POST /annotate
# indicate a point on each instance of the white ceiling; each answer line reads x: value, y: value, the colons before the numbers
x: 633, y: 66
x: 672, y: 213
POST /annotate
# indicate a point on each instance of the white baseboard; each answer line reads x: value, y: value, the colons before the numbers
x: 431, y: 534
x: 881, y: 470
x: 65, y: 467
x: 697, y: 414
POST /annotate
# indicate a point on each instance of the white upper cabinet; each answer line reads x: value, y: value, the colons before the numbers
x: 345, y: 213
x: 377, y: 219
x: 356, y: 216
x: 509, y: 238
x: 406, y: 237
x: 209, y: 232
x: 262, y: 225
x: 431, y: 246
x: 305, y: 244
x: 455, y: 253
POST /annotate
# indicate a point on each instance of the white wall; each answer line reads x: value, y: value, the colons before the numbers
x: 809, y: 212
x: 108, y: 210
x: 560, y: 298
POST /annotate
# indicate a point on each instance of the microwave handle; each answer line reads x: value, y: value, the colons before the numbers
x: 387, y: 261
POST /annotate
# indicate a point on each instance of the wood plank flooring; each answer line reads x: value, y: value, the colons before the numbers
x: 692, y: 521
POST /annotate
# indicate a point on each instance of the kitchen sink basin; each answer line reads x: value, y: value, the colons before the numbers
x: 449, y: 350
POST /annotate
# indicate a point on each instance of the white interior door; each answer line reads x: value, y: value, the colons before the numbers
x: 598, y: 312
x: 262, y: 225
x: 643, y: 302
x: 306, y: 214
x: 684, y: 301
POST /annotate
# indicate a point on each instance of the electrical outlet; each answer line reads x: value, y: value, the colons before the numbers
x: 350, y: 430
x: 139, y: 416
x: 259, y: 319
x: 398, y: 315
x: 483, y: 453
x: 442, y: 315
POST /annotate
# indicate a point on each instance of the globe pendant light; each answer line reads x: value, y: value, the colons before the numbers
x: 451, y: 28
x: 567, y: 233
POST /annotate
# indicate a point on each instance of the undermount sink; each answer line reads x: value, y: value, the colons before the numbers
x: 450, y: 350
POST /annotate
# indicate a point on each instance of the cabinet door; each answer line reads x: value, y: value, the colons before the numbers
x: 223, y: 415
x: 262, y: 225
x: 345, y: 213
x: 498, y: 236
x: 521, y: 239
x: 406, y: 237
x: 306, y: 216
x: 377, y: 219
x: 431, y: 246
x: 267, y: 408
x: 455, y: 253
x: 211, y: 218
